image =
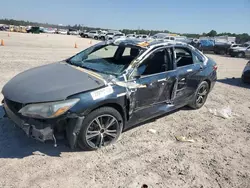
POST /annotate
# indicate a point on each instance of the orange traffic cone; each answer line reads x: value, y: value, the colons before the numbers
x: 2, y: 42
x: 75, y: 45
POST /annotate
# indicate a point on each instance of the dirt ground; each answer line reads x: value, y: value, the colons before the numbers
x: 219, y: 157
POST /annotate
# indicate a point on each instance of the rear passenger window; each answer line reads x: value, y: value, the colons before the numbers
x: 183, y: 57
x: 197, y: 58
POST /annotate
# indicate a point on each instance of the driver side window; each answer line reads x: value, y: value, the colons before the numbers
x: 155, y: 63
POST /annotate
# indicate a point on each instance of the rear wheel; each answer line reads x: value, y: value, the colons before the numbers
x: 200, y: 96
x: 241, y: 54
x: 96, y: 38
x: 100, y: 128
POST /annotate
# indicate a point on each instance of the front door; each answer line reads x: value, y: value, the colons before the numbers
x: 155, y: 85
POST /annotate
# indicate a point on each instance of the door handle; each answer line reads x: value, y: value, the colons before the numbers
x: 162, y: 80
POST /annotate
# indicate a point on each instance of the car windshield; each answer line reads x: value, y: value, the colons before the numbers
x: 105, y: 58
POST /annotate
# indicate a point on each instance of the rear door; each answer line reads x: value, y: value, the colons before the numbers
x: 188, y: 75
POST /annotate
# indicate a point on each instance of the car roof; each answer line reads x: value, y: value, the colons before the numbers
x: 147, y: 43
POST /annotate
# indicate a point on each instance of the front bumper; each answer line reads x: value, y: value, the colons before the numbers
x: 45, y: 132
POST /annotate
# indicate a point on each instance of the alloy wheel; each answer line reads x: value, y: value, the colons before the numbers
x: 201, y: 95
x: 102, y: 131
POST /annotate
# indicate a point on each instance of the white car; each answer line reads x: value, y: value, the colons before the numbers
x: 73, y: 32
x: 111, y: 36
x: 62, y: 32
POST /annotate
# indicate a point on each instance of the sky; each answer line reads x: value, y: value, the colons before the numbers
x: 182, y: 16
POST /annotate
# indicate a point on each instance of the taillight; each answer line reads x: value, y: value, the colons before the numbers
x: 215, y: 67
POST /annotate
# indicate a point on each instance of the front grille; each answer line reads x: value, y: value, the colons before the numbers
x: 13, y: 106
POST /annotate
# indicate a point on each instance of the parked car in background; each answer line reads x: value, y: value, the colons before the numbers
x: 91, y: 34
x: 246, y: 73
x: 240, y: 51
x: 62, y: 31
x: 4, y: 28
x: 131, y: 35
x: 222, y: 48
x: 102, y: 35
x: 36, y: 30
x: 48, y: 30
x: 112, y: 35
x: 142, y: 36
x: 119, y: 35
x: 107, y: 88
x: 73, y: 32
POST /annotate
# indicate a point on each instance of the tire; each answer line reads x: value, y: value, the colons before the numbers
x: 222, y: 52
x: 91, y: 134
x: 96, y: 38
x: 195, y: 104
x: 241, y: 54
x: 103, y: 38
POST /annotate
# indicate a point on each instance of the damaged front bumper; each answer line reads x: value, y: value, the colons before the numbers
x: 45, y: 130
x: 42, y: 134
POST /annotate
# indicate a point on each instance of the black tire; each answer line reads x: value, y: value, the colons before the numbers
x: 103, y: 38
x: 96, y: 38
x: 196, y: 104
x: 88, y: 124
x: 241, y: 55
x: 222, y: 52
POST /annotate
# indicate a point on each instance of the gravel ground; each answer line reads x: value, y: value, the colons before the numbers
x: 219, y: 157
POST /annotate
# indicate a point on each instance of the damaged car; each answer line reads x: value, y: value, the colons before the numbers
x: 106, y: 89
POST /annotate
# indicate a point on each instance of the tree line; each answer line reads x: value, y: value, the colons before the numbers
x: 240, y: 38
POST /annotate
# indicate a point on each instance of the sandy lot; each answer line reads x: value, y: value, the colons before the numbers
x: 219, y: 157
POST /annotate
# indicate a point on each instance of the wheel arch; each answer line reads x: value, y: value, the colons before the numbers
x: 209, y: 82
x: 114, y: 105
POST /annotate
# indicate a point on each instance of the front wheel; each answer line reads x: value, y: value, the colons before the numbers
x: 200, y: 95
x: 100, y: 128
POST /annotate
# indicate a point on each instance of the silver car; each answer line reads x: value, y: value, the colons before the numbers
x: 240, y: 51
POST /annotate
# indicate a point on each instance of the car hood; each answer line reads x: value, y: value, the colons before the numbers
x: 52, y: 82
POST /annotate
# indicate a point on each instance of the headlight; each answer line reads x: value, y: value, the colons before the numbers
x: 48, y: 110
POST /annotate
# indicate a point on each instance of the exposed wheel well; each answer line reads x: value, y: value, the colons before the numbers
x: 115, y: 106
x: 209, y: 82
